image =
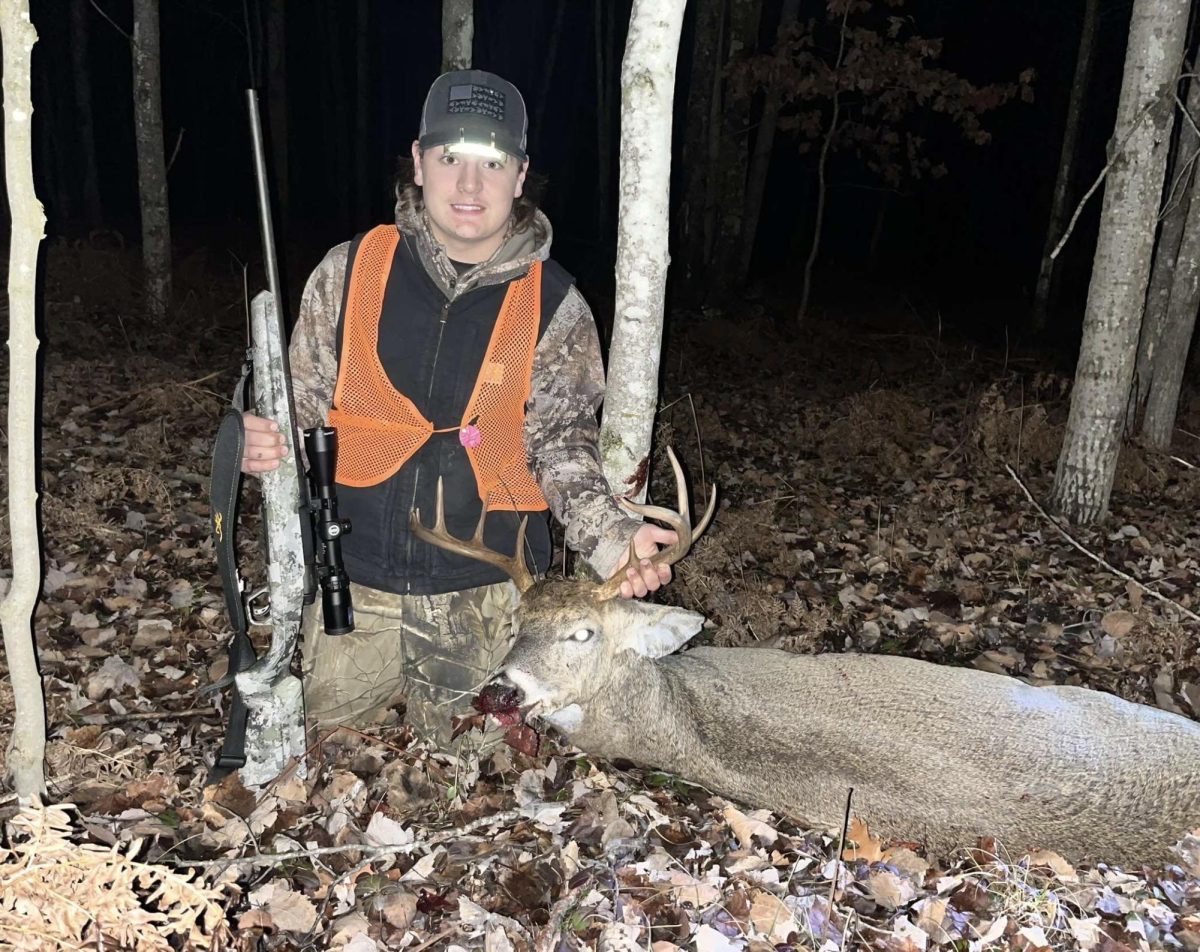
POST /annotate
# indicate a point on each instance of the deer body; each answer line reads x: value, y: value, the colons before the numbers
x: 935, y: 754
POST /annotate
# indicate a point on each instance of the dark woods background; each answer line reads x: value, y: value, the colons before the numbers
x: 964, y: 246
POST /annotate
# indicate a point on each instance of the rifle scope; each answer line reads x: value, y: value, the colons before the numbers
x: 320, y: 443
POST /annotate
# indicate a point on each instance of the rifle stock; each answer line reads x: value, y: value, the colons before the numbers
x: 272, y: 695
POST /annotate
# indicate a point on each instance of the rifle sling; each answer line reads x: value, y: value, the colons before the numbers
x: 225, y: 491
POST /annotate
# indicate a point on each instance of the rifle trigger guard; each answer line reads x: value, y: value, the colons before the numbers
x: 258, y: 606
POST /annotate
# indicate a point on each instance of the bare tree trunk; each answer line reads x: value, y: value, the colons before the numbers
x: 52, y: 160
x: 548, y: 73
x: 1121, y: 272
x: 1170, y: 361
x: 152, y: 167
x: 760, y: 161
x: 603, y: 32
x: 732, y: 163
x: 1166, y: 254
x: 458, y: 33
x: 822, y: 191
x: 334, y: 96
x: 701, y: 129
x: 647, y: 91
x: 362, y: 100
x: 27, y: 746
x: 277, y: 104
x: 93, y: 213
x: 1066, y: 161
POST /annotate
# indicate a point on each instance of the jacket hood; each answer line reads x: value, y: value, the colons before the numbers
x: 520, y: 249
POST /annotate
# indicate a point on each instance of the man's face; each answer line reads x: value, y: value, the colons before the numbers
x: 469, y: 199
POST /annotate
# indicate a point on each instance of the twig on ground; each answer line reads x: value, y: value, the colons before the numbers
x: 128, y: 398
x: 1095, y: 558
x: 547, y: 939
x: 1183, y: 462
x: 841, y: 847
x: 105, y: 720
x: 273, y: 859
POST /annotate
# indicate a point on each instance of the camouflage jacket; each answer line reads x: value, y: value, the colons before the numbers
x: 561, y: 431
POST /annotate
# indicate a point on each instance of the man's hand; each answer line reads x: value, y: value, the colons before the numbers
x: 645, y: 577
x: 265, y: 445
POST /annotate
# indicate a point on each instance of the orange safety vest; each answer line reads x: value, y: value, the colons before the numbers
x: 379, y: 428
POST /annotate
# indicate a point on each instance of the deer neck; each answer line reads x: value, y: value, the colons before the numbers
x: 634, y: 715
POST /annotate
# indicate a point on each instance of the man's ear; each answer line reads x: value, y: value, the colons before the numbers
x: 521, y: 179
x: 658, y: 630
x: 416, y: 157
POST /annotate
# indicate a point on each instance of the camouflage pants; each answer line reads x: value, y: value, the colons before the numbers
x: 432, y: 651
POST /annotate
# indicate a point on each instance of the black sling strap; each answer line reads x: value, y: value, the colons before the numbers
x: 225, y: 491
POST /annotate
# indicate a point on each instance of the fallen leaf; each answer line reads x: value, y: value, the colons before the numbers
x: 1061, y: 868
x: 865, y: 846
x: 708, y: 939
x: 746, y: 828
x: 398, y: 907
x: 1118, y: 624
x: 771, y: 917
x: 289, y: 910
x: 889, y: 889
x: 113, y: 675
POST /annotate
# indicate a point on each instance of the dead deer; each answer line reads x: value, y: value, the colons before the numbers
x: 936, y: 754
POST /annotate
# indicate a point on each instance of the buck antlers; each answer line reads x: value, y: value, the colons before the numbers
x: 474, y: 548
x: 515, y: 565
x: 679, y: 521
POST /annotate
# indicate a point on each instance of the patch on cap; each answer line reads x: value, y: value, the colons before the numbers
x: 476, y: 99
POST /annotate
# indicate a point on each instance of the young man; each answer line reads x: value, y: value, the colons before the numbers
x: 449, y: 346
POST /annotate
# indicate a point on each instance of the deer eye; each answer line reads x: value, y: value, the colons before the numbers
x: 582, y: 634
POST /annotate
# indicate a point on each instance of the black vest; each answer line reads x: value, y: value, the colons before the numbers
x: 432, y: 350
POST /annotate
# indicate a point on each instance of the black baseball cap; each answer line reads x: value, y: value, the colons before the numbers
x: 474, y: 112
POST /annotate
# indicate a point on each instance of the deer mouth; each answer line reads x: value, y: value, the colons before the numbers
x: 501, y: 701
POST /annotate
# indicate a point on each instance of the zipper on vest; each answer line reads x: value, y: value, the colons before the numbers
x: 417, y: 475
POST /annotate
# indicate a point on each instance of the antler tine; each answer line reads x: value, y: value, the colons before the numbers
x: 680, y: 521
x: 474, y: 548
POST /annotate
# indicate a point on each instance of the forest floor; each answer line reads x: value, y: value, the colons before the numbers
x: 866, y: 505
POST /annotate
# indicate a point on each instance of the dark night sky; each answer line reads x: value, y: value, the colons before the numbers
x: 966, y: 242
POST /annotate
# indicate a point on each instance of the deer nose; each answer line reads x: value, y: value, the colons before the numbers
x: 499, y: 696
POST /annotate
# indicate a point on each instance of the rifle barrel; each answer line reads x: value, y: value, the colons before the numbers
x: 270, y: 263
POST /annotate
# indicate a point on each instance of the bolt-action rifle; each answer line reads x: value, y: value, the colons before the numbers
x: 303, y: 538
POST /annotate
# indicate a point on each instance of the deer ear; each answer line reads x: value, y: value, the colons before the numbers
x: 661, y: 629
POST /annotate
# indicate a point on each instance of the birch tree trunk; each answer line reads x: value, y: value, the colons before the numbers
x: 277, y: 104
x: 1066, y: 161
x: 701, y: 140
x: 27, y: 746
x: 1121, y: 271
x: 458, y: 34
x: 733, y: 160
x: 93, y: 213
x: 760, y: 161
x: 152, y: 167
x: 647, y: 92
x: 1170, y: 360
x: 1166, y: 254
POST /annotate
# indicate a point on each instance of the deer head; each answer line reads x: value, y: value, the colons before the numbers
x: 570, y: 635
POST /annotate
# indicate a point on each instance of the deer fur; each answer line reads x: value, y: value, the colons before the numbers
x: 936, y: 754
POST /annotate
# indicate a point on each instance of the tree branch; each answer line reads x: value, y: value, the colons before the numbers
x: 1095, y: 558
